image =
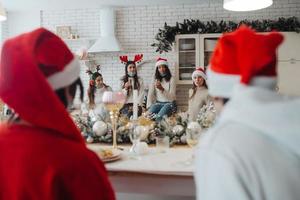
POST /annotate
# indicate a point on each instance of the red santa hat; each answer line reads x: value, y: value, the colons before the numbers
x: 199, y: 72
x: 161, y: 61
x: 65, y: 67
x: 33, y: 65
x: 243, y: 57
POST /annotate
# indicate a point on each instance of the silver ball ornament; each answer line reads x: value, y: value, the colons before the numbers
x: 177, y: 129
x: 100, y: 128
x: 89, y: 139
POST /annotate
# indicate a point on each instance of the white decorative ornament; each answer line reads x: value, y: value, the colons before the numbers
x: 194, y: 126
x: 177, y: 129
x: 210, y: 116
x: 183, y: 139
x: 89, y: 139
x: 100, y: 128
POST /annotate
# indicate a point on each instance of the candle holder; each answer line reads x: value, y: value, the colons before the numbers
x: 114, y: 115
x: 114, y: 101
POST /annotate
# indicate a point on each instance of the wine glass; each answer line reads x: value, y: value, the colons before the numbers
x: 193, y: 133
x: 134, y: 135
x: 113, y: 102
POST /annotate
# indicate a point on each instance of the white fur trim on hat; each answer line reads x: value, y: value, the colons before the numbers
x: 197, y: 73
x: 65, y: 77
x: 221, y: 85
x: 161, y: 62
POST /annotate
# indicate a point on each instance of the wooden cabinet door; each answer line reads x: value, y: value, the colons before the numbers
x: 187, y: 50
x: 289, y: 77
x: 289, y: 50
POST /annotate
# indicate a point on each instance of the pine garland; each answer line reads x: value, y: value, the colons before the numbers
x: 166, y: 35
x: 174, y: 127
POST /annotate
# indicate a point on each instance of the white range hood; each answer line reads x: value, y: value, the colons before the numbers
x: 107, y: 41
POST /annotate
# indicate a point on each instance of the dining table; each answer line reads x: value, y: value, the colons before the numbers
x: 157, y: 171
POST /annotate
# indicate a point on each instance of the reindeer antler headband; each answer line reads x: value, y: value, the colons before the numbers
x: 137, y: 59
x: 90, y: 73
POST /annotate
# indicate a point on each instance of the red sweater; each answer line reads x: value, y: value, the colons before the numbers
x: 47, y: 159
x: 41, y: 164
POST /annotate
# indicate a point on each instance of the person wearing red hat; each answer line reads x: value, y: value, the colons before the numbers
x: 198, y: 95
x: 253, y: 150
x: 43, y: 155
x: 162, y: 91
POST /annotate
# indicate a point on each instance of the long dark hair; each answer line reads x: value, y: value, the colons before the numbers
x: 194, y: 88
x: 159, y: 77
x: 92, y: 88
x: 124, y: 79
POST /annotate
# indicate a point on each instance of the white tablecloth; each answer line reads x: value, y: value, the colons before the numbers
x: 172, y: 162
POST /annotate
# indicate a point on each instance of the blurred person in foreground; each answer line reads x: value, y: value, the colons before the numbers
x: 253, y: 151
x: 43, y: 155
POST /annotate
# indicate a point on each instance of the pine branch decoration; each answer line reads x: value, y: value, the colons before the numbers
x: 166, y: 35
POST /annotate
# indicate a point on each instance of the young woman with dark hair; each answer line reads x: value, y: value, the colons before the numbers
x: 129, y: 82
x: 162, y: 92
x: 198, y: 94
x: 95, y: 92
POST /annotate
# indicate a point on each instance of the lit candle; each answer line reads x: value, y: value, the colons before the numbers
x: 135, y: 104
x: 135, y: 100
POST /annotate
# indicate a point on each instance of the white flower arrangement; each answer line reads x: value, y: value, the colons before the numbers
x: 207, y: 115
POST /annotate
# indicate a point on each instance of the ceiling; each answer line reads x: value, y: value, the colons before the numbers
x: 19, y: 5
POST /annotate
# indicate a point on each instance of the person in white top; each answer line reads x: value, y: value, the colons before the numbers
x: 162, y: 92
x: 129, y: 82
x: 95, y: 92
x: 253, y: 151
x: 198, y: 94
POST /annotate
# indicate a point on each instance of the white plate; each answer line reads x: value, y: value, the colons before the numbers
x: 116, y: 155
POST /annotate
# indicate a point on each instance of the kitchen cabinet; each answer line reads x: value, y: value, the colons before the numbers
x: 289, y: 77
x: 207, y: 46
x: 188, y: 57
x: 289, y: 64
x: 193, y: 50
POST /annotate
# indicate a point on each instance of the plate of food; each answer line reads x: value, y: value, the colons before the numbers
x: 109, y: 155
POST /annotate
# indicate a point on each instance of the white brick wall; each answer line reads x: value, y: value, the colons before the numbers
x: 137, y: 26
x: 4, y: 31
